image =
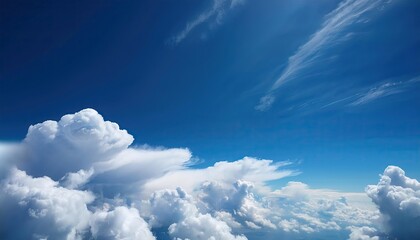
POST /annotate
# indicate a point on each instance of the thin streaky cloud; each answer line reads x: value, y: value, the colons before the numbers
x: 217, y: 11
x: 383, y: 90
x: 378, y: 92
x: 373, y: 93
x: 349, y: 99
x: 334, y: 102
x: 265, y: 103
x: 336, y: 22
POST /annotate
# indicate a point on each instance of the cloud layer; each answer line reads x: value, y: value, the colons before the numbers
x: 78, y: 178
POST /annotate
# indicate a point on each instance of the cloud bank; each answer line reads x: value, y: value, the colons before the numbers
x: 79, y: 178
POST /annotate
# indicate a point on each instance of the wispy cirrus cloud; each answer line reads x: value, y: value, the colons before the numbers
x: 350, y: 98
x: 214, y: 14
x: 383, y: 90
x: 373, y: 93
x: 377, y: 92
x: 265, y: 102
x: 333, y: 29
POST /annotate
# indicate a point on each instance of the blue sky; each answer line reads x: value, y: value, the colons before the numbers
x: 212, y: 119
x: 340, y: 86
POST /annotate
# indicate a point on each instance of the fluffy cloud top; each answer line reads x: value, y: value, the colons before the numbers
x: 238, y: 200
x: 78, y: 178
x: 45, y: 208
x: 176, y: 209
x: 398, y: 199
x: 74, y: 142
x: 363, y: 233
x: 120, y: 223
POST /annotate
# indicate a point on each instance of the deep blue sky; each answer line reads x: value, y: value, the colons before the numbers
x: 119, y: 58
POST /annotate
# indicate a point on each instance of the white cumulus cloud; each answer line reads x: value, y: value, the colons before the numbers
x: 398, y: 199
x: 176, y: 210
x: 43, y: 207
x: 74, y: 142
x: 80, y: 178
x: 120, y: 223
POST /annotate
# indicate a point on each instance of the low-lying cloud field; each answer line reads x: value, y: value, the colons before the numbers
x: 81, y: 178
